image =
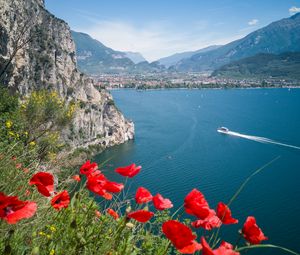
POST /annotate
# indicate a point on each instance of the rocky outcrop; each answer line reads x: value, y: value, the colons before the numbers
x: 48, y: 60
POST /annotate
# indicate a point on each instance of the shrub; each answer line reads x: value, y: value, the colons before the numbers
x: 36, y: 120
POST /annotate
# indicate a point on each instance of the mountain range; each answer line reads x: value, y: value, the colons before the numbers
x: 94, y: 57
x: 175, y: 58
x: 279, y: 37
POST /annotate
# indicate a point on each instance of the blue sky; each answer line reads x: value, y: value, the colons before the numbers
x: 158, y: 28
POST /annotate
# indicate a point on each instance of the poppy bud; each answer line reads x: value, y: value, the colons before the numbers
x: 128, y: 209
x: 129, y: 225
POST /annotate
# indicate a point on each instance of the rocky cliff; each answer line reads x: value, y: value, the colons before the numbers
x: 47, y: 59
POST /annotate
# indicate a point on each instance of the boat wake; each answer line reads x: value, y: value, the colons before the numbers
x: 261, y: 139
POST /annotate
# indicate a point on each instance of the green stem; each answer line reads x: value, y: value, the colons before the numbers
x: 267, y: 246
x: 249, y: 178
x: 241, y: 188
x: 167, y: 248
x: 238, y: 241
x: 115, y: 239
x: 176, y: 212
x: 105, y: 161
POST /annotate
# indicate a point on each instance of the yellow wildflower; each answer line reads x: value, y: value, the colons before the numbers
x: 33, y: 143
x: 71, y: 110
x: 10, y: 133
x: 52, y: 252
x: 51, y: 155
x: 52, y: 228
x: 41, y: 233
x: 8, y: 124
x: 54, y: 94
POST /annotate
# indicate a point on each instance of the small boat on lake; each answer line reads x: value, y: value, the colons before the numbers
x: 223, y: 130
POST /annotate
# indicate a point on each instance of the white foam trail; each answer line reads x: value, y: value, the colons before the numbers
x: 261, y: 139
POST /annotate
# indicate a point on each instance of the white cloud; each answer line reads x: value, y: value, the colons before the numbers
x: 293, y: 10
x: 153, y: 40
x: 253, y: 22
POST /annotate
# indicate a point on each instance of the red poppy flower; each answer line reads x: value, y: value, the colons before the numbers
x: 191, y: 249
x: 25, y: 170
x: 98, y: 214
x: 196, y: 204
x: 76, y: 178
x: 12, y: 209
x: 61, y: 200
x: 44, y: 182
x: 113, y: 187
x: 161, y: 203
x: 112, y: 213
x: 100, y: 186
x: 206, y: 248
x: 18, y: 166
x: 140, y: 215
x: 179, y: 234
x: 224, y: 249
x: 143, y: 195
x: 224, y: 214
x: 107, y: 196
x: 129, y: 171
x: 209, y: 223
x: 88, y: 167
x: 252, y: 232
x: 95, y: 184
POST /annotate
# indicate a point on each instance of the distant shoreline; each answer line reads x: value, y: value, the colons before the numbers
x: 205, y: 88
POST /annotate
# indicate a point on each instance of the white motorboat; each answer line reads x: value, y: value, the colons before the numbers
x: 223, y: 130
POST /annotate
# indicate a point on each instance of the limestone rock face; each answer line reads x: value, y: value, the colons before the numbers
x: 48, y: 60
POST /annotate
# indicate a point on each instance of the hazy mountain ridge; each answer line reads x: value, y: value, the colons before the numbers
x: 175, y: 58
x: 135, y: 57
x: 278, y: 37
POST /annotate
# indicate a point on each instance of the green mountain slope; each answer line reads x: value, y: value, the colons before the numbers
x: 93, y: 57
x: 282, y: 66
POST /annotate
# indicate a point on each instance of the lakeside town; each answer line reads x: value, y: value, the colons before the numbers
x: 184, y: 80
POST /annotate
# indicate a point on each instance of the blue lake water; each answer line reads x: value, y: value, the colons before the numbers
x: 179, y: 148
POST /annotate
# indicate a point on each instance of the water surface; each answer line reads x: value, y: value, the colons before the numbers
x: 179, y: 149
